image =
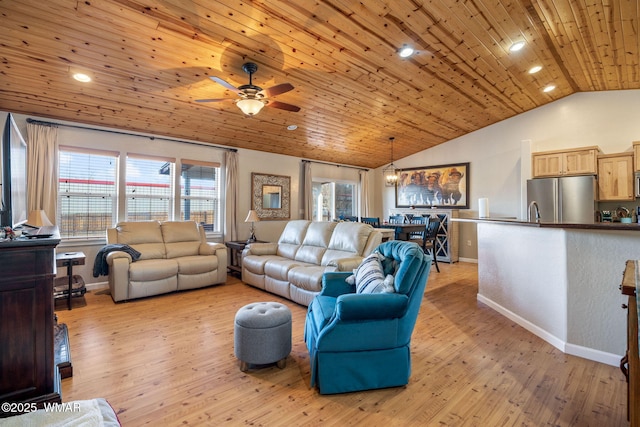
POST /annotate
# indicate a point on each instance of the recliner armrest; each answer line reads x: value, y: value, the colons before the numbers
x: 111, y: 256
x: 370, y: 306
x: 210, y: 248
x: 266, y: 248
x: 346, y: 264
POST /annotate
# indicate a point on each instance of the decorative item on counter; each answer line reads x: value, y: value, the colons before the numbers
x: 9, y: 233
x: 483, y: 207
x: 623, y: 214
x: 606, y: 216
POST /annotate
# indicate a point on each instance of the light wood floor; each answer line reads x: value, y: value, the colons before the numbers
x: 168, y: 361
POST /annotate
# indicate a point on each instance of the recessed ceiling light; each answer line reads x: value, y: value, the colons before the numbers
x: 82, y: 77
x: 516, y: 46
x: 535, y: 69
x: 549, y: 88
x: 292, y: 127
x: 406, y: 52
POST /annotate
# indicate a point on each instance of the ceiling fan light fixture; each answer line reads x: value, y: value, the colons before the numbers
x: 250, y: 107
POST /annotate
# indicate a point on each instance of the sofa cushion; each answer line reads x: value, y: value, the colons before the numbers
x: 197, y: 264
x: 255, y: 263
x: 308, y: 277
x: 279, y: 268
x: 315, y: 242
x: 292, y: 237
x: 143, y: 236
x: 152, y: 269
x: 348, y: 239
x: 181, y: 238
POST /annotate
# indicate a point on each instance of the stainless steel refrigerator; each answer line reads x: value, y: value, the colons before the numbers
x: 570, y: 199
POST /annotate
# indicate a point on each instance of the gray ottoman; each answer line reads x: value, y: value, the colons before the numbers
x: 262, y: 334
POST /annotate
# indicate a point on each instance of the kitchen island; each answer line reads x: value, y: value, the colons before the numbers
x: 559, y: 281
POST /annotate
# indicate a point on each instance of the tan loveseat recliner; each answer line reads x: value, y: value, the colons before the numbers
x: 174, y: 256
x: 294, y: 266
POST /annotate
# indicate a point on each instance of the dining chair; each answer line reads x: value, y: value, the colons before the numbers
x: 429, y: 239
x: 418, y: 236
x: 396, y: 219
x: 374, y: 222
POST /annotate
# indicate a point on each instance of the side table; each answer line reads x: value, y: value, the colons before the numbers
x: 235, y: 258
x: 70, y: 285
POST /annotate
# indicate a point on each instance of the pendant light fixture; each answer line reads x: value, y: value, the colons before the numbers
x: 390, y: 177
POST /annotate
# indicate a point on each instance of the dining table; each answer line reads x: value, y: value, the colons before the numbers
x: 403, y: 231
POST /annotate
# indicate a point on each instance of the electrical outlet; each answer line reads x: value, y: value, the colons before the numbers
x: 468, y: 242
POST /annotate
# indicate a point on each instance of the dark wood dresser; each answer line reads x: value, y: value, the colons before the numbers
x: 630, y: 364
x: 27, y: 368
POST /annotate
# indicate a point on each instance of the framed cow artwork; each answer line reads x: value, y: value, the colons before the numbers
x: 443, y: 186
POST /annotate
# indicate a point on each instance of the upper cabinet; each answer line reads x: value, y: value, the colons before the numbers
x: 636, y: 154
x: 615, y: 176
x: 582, y: 161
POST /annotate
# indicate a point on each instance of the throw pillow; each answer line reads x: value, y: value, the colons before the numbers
x: 369, y: 277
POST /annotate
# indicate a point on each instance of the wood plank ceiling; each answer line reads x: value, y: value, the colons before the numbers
x: 151, y: 59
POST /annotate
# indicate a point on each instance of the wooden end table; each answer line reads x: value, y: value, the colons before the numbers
x: 74, y: 285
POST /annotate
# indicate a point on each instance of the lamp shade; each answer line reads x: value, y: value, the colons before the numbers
x: 38, y: 219
x: 250, y: 107
x: 252, y: 216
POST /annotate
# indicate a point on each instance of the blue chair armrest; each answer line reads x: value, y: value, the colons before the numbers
x: 334, y: 284
x: 370, y: 306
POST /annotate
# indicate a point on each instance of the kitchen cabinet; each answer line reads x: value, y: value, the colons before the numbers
x: 582, y: 161
x: 636, y: 155
x: 615, y: 177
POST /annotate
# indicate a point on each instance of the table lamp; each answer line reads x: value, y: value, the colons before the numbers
x: 252, y: 217
x: 38, y: 218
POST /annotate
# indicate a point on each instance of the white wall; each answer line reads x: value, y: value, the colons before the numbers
x: 499, y: 154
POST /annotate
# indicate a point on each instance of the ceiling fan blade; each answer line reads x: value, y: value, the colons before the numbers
x: 223, y: 83
x: 277, y: 89
x: 213, y: 100
x: 283, y: 106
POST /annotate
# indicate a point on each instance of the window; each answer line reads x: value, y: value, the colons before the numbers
x: 99, y: 188
x: 148, y: 188
x: 86, y: 193
x: 333, y: 200
x: 200, y: 193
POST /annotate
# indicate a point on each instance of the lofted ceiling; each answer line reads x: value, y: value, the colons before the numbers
x: 149, y: 61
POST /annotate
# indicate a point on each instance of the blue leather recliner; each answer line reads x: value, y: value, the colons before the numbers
x: 361, y: 341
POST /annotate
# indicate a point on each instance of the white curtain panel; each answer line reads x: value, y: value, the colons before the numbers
x: 364, y: 193
x: 231, y: 196
x: 308, y: 192
x: 42, y: 169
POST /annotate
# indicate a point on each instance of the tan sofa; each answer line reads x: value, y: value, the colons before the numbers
x: 174, y: 256
x: 293, y: 267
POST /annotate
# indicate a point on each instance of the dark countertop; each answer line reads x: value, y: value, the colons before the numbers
x: 595, y: 226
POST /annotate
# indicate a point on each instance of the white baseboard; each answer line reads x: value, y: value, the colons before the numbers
x: 567, y: 348
x: 96, y: 286
x: 471, y: 260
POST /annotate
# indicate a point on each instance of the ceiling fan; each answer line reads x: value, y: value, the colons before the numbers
x: 252, y: 97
